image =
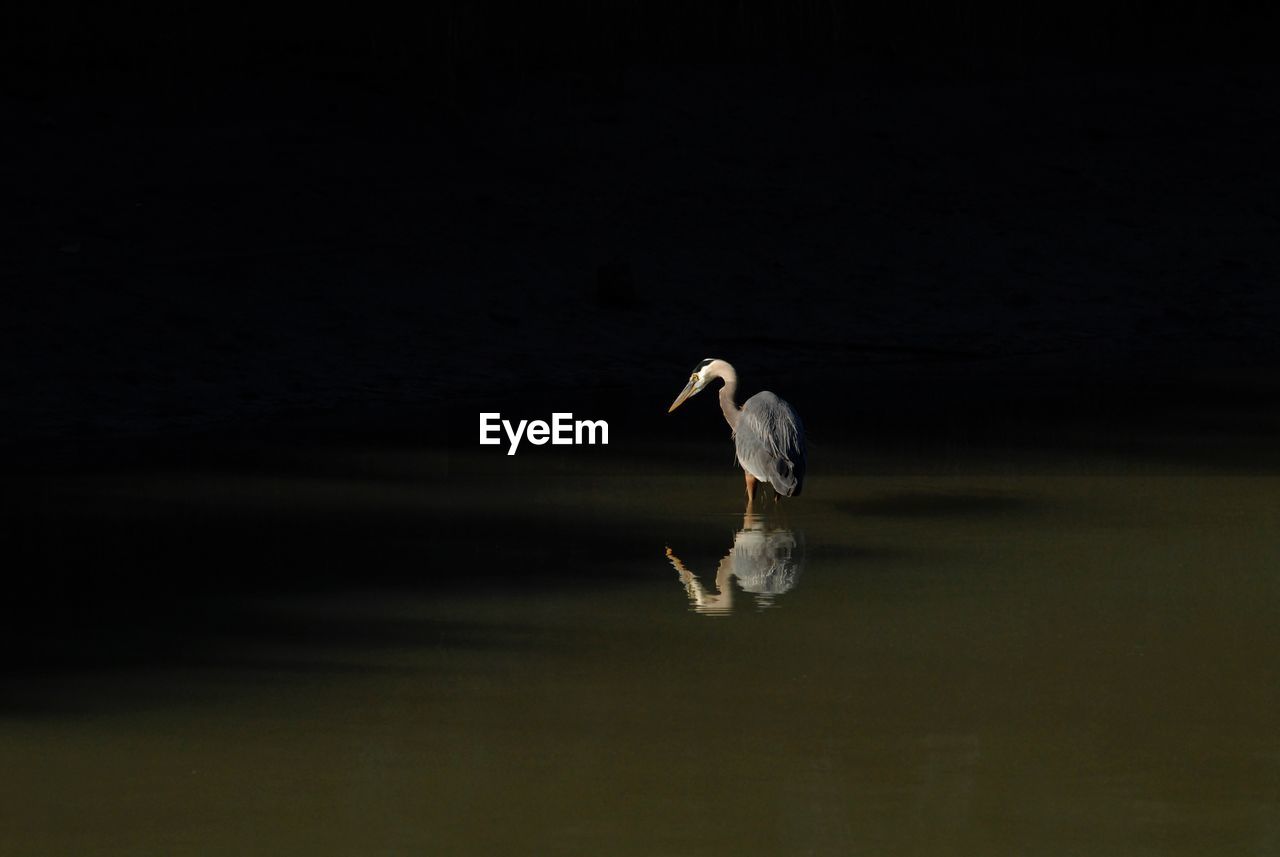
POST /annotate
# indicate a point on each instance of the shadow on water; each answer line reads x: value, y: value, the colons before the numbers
x: 764, y: 560
x: 99, y: 586
x: 160, y: 652
x: 223, y: 633
x: 942, y: 505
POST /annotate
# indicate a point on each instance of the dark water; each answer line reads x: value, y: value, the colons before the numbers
x: 458, y: 661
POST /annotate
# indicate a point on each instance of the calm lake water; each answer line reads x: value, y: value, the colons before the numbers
x: 1038, y: 661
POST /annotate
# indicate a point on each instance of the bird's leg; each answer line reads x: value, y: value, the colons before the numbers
x: 751, y: 488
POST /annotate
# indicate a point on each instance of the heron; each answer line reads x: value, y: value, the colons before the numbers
x: 767, y: 434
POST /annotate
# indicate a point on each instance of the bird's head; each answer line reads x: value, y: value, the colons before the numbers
x: 698, y: 381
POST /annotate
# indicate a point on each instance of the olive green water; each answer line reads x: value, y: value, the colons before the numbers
x: 1023, y: 663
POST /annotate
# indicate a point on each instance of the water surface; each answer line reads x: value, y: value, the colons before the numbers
x: 590, y: 661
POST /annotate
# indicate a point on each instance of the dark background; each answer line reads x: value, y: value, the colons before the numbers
x: 230, y: 233
x: 979, y: 222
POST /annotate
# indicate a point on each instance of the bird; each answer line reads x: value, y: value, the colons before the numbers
x: 767, y: 434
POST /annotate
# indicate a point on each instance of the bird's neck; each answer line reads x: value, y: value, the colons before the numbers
x: 732, y: 413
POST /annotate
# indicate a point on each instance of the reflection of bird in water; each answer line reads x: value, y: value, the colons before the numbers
x: 765, y: 562
x: 767, y: 434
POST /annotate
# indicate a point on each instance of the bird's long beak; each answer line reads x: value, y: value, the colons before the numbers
x: 688, y: 391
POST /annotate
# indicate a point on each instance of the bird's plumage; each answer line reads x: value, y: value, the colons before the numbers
x: 767, y: 434
x: 769, y: 440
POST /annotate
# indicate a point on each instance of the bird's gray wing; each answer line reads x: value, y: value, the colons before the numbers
x: 769, y: 439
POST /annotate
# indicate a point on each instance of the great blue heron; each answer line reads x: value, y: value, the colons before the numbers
x: 767, y: 434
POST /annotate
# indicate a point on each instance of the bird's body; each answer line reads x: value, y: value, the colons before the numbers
x: 767, y: 434
x: 769, y: 441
